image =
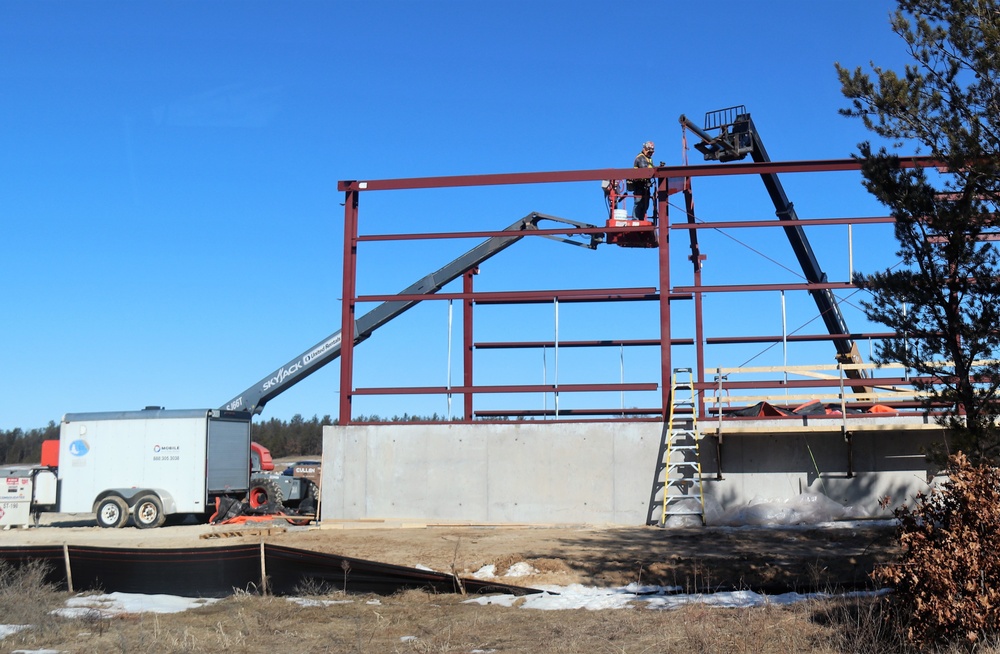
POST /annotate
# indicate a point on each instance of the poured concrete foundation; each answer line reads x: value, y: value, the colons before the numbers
x: 601, y: 473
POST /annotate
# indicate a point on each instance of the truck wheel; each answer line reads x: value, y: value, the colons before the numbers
x: 264, y: 493
x: 112, y: 512
x: 148, y: 512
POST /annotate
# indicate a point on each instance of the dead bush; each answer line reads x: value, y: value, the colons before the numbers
x: 945, y: 583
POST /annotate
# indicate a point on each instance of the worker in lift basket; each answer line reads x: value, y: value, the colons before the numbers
x: 640, y: 187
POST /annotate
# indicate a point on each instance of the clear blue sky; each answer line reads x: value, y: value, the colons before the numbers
x: 172, y: 228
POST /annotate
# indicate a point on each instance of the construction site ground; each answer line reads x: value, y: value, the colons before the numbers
x: 696, y: 559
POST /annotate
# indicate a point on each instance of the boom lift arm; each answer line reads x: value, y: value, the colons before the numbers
x: 735, y: 138
x: 253, y: 399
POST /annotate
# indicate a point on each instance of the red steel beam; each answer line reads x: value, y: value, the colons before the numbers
x: 803, y: 338
x: 516, y: 388
x: 672, y: 173
x: 805, y: 222
x: 527, y: 232
x: 348, y: 305
x: 572, y: 300
x: 502, y: 345
x: 563, y: 412
x: 467, y: 341
x: 608, y: 294
x: 792, y: 286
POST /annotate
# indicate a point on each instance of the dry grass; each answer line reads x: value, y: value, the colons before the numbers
x: 419, y: 622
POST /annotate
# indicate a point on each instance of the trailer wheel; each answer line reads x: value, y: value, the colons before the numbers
x: 264, y: 494
x: 148, y: 512
x: 112, y: 512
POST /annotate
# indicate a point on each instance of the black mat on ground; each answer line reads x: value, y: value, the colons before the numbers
x: 217, y: 571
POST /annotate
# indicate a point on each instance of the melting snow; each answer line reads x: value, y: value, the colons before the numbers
x: 576, y: 596
x: 114, y: 604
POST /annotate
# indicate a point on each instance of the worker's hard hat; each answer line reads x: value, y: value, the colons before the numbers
x: 648, y: 145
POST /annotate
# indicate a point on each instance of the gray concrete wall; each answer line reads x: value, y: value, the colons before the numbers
x: 596, y: 473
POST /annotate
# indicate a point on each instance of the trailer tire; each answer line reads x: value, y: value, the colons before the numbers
x: 265, y: 494
x: 112, y: 512
x: 148, y: 512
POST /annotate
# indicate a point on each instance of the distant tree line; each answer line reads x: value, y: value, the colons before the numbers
x: 297, y: 437
x: 19, y: 446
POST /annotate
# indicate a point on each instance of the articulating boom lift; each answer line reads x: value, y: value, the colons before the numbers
x: 270, y: 488
x: 253, y: 399
x: 735, y: 136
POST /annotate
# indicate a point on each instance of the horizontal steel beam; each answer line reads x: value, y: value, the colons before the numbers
x: 502, y: 345
x: 673, y: 174
x: 522, y: 388
x: 804, y: 222
x: 538, y: 413
x: 485, y: 297
x: 532, y: 232
x: 744, y: 288
x: 794, y: 338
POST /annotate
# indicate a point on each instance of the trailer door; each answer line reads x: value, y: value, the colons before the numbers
x: 228, y: 456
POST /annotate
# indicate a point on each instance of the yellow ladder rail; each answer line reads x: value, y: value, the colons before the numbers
x: 682, y: 459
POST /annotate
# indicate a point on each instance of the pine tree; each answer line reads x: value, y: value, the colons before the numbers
x: 943, y: 300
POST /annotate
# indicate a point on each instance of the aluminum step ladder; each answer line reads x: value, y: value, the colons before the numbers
x: 683, y: 490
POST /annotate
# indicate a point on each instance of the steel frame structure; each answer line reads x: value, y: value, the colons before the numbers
x: 669, y: 180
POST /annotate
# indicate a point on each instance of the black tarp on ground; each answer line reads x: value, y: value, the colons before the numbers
x: 215, y: 572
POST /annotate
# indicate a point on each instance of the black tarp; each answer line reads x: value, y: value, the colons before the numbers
x: 289, y: 568
x: 193, y: 572
x: 217, y: 571
x: 52, y: 556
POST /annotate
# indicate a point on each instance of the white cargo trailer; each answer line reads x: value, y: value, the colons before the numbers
x: 151, y: 464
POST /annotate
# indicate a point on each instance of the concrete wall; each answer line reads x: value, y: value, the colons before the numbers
x: 597, y: 473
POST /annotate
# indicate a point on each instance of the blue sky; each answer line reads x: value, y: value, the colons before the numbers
x: 173, y: 231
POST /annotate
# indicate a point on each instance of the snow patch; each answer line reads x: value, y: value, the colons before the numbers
x: 302, y: 601
x: 576, y: 596
x: 114, y: 604
x: 10, y: 629
x: 519, y: 569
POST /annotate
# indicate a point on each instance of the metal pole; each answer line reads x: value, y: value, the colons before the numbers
x: 448, y: 376
x: 850, y: 251
x: 555, y: 356
x: 467, y: 343
x: 621, y: 364
x: 347, y: 305
x: 545, y: 380
x: 784, y: 342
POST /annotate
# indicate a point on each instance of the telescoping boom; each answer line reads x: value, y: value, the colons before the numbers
x: 253, y: 399
x: 729, y: 134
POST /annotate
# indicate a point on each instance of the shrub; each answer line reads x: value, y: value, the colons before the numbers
x: 945, y: 583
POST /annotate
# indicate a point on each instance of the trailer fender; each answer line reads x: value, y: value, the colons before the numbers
x: 126, y: 494
x: 166, y: 499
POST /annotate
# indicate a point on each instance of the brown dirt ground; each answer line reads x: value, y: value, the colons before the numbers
x: 768, y: 559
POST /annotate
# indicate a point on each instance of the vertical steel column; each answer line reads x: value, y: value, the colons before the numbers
x: 347, y: 306
x: 663, y: 239
x: 467, y: 345
x: 699, y: 328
